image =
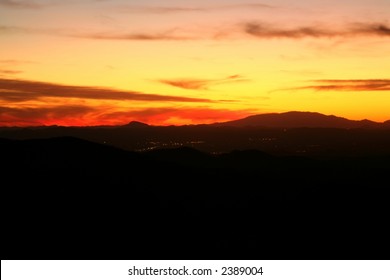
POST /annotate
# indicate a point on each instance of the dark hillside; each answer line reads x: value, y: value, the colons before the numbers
x: 148, y: 205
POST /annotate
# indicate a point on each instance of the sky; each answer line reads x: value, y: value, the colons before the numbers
x: 171, y: 62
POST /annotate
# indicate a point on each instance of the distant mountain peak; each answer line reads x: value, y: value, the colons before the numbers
x: 136, y: 124
x: 296, y: 119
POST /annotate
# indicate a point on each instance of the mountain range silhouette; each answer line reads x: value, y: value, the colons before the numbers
x: 300, y: 119
x: 292, y: 133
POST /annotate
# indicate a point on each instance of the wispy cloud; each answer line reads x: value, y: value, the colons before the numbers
x: 9, y: 72
x: 157, y: 9
x: 250, y: 6
x: 373, y: 29
x: 265, y: 31
x: 15, y: 61
x: 21, y: 4
x: 14, y: 29
x: 260, y: 30
x: 349, y: 85
x: 187, y: 9
x: 133, y: 36
x: 38, y: 4
x: 202, y: 84
x: 171, y: 34
x: 21, y: 90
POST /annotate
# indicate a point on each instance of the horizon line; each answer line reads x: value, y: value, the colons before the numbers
x: 197, y: 124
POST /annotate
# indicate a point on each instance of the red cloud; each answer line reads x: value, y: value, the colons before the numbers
x: 172, y: 116
x: 90, y: 116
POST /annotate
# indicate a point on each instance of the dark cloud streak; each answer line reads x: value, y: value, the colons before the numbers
x: 266, y: 31
x: 349, y: 85
x: 379, y: 29
x: 21, y: 90
x: 133, y: 36
x: 201, y: 84
x: 55, y: 111
x: 9, y: 72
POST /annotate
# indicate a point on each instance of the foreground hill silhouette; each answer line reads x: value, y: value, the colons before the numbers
x: 98, y: 200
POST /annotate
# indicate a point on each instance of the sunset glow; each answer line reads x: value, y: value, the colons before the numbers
x: 110, y: 62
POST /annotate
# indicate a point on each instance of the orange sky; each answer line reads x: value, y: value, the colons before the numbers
x: 92, y: 62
